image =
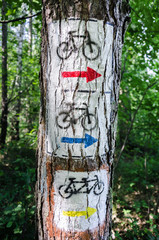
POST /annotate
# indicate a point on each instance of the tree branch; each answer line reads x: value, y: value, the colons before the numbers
x: 21, y: 18
x: 132, y: 122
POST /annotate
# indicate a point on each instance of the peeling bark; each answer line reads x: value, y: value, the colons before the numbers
x: 54, y: 173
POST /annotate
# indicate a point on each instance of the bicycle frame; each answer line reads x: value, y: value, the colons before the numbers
x: 86, y: 184
x: 83, y: 109
x: 90, y: 49
x: 71, y: 38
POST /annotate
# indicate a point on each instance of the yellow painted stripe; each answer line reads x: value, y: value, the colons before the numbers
x: 74, y: 213
x: 89, y: 212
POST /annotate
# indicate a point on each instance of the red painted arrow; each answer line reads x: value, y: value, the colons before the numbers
x: 90, y: 75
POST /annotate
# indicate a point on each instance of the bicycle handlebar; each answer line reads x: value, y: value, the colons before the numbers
x: 73, y: 104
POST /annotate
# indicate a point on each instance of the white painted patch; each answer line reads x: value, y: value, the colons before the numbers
x: 71, y: 53
x: 69, y: 209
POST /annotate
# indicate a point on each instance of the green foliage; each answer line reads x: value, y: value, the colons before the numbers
x: 17, y: 158
x: 137, y: 172
x: 17, y: 204
x: 136, y: 198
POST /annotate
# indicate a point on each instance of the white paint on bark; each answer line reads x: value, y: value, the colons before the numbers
x: 80, y: 199
x: 69, y: 50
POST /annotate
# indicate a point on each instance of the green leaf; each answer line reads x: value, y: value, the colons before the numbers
x: 9, y: 224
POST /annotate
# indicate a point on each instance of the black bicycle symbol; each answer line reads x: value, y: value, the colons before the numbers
x: 66, y: 191
x: 67, y: 118
x: 89, y: 48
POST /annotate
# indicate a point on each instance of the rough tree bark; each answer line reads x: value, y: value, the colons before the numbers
x: 4, y: 79
x: 80, y: 74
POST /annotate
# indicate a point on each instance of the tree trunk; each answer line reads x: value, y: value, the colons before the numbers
x: 30, y: 118
x: 16, y: 118
x: 80, y: 76
x: 4, y: 79
x: 30, y: 32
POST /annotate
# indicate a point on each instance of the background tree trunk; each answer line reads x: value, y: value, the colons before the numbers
x: 30, y: 118
x: 4, y: 78
x: 65, y: 210
x: 30, y: 32
x: 16, y: 118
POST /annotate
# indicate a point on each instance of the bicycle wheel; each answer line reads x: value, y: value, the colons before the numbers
x: 63, y: 120
x: 63, y: 193
x: 64, y: 51
x: 85, y: 122
x: 98, y: 188
x: 91, y: 53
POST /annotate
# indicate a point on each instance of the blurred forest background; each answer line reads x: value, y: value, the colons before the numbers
x: 136, y: 177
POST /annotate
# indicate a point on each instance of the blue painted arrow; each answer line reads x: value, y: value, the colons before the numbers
x: 88, y: 140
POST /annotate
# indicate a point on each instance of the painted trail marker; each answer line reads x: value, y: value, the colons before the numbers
x: 80, y: 199
x: 79, y: 72
x: 90, y: 74
x: 88, y: 213
x: 88, y: 140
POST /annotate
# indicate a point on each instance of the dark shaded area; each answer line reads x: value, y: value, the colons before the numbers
x: 136, y: 200
x: 17, y: 203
